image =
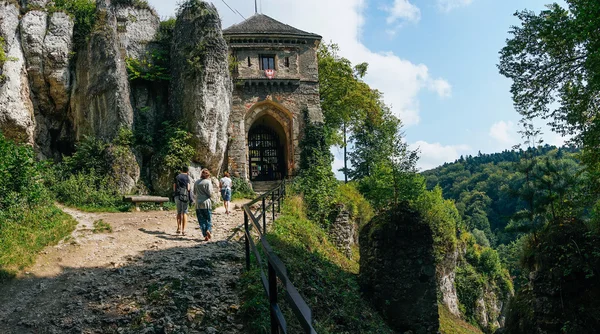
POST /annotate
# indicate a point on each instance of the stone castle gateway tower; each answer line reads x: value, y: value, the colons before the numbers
x: 276, y: 81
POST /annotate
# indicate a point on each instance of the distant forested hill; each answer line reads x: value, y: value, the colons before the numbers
x: 490, y: 189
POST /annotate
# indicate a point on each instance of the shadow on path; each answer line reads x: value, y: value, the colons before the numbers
x: 175, y: 290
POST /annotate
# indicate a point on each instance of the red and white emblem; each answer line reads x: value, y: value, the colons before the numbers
x: 270, y: 73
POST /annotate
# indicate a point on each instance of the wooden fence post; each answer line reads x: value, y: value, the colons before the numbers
x: 273, y: 205
x: 247, y: 235
x: 264, y: 216
x: 273, y: 299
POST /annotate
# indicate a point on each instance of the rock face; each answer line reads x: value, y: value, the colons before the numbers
x: 100, y: 101
x: 16, y: 108
x: 397, y: 270
x: 136, y: 27
x: 446, y: 274
x: 47, y: 43
x: 342, y: 231
x: 201, y: 85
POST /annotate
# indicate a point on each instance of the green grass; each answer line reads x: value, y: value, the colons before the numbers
x: 450, y: 324
x: 25, y: 232
x: 100, y: 226
x: 325, y: 278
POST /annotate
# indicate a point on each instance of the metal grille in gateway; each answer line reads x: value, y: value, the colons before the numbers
x: 266, y: 154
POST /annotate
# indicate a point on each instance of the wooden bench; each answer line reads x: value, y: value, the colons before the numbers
x: 145, y: 199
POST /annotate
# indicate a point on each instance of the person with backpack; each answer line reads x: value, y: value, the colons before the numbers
x: 203, y: 190
x: 181, y: 189
x: 225, y: 185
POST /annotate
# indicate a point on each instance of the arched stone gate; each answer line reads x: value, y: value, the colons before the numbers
x: 269, y: 142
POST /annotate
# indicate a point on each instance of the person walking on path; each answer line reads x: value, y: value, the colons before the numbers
x: 203, y: 189
x: 181, y: 189
x: 225, y: 185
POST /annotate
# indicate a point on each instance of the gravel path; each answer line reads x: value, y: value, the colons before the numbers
x: 141, y: 278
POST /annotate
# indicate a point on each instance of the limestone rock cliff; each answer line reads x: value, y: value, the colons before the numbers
x: 47, y: 42
x: 16, y: 108
x: 201, y: 86
x: 100, y: 101
x: 55, y: 90
x: 446, y: 274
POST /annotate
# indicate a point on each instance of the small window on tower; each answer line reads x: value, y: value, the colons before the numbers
x: 249, y: 63
x: 287, y: 61
x: 267, y: 62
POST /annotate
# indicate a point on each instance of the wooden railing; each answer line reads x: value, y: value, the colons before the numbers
x: 275, y: 267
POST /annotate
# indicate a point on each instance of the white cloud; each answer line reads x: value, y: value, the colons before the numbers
x: 433, y: 155
x: 504, y: 132
x: 441, y: 87
x: 556, y: 139
x: 340, y: 21
x: 448, y: 5
x: 403, y: 10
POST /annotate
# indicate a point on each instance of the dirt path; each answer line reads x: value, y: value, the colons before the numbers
x: 141, y: 278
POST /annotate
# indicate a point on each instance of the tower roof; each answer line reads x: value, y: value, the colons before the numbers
x: 261, y: 24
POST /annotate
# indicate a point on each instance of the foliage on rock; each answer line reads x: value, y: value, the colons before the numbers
x: 354, y: 202
x: 3, y: 57
x: 155, y: 65
x: 316, y: 182
x: 176, y: 150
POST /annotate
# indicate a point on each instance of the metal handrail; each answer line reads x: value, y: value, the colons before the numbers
x: 276, y: 268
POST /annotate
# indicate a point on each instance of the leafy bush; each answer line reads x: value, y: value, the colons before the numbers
x: 28, y: 219
x: 21, y: 181
x: 89, y: 178
x: 89, y: 191
x: 140, y: 4
x: 241, y: 189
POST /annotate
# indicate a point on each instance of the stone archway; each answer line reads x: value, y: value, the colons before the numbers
x: 271, y: 125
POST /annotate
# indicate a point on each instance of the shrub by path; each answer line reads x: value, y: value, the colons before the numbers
x: 141, y: 278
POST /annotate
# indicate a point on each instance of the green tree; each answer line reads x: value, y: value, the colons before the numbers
x: 345, y: 98
x: 553, y: 59
x: 383, y: 165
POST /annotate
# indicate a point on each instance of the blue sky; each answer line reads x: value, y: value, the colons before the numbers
x: 434, y: 60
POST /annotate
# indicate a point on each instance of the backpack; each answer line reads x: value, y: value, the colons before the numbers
x: 182, y: 194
